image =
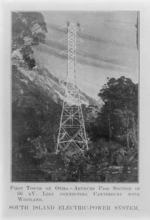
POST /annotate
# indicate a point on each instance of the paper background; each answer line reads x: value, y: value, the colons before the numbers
x: 144, y: 148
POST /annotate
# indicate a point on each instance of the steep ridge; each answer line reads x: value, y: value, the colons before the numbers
x: 38, y: 88
x: 37, y: 98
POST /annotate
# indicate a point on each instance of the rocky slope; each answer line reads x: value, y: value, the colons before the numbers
x: 47, y: 83
x: 37, y: 98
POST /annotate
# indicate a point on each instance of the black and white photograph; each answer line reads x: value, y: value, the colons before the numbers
x: 74, y: 96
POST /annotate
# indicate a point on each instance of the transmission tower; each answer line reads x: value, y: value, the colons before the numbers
x: 72, y: 136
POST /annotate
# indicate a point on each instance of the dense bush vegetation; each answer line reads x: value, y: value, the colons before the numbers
x: 28, y: 28
x: 113, y: 142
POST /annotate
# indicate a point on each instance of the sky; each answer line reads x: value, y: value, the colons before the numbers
x: 109, y: 47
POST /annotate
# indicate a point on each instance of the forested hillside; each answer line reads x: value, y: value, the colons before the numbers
x: 37, y: 96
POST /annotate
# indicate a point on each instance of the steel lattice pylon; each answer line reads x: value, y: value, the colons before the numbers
x: 72, y: 136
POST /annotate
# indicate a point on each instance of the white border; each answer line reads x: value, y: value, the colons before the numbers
x: 5, y: 132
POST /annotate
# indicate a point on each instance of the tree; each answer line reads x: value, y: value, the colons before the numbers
x: 32, y: 19
x: 120, y: 93
x: 27, y: 24
x: 119, y: 113
x: 19, y: 31
x: 28, y: 28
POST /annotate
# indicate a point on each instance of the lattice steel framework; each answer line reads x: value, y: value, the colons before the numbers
x: 72, y: 136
